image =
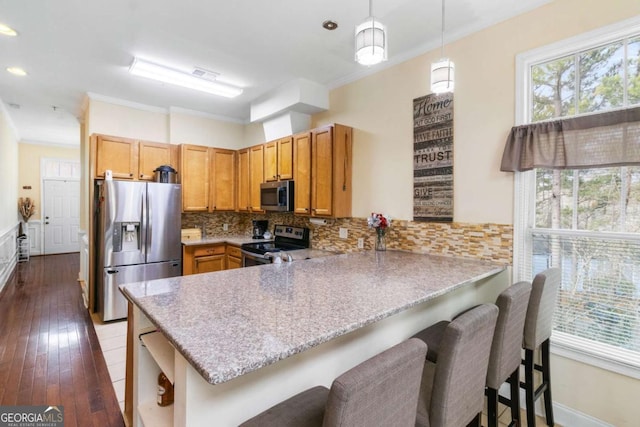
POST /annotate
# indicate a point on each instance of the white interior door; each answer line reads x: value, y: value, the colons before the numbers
x: 61, y: 216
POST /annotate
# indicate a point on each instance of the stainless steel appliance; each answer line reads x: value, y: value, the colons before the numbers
x: 287, y: 238
x: 165, y: 174
x: 137, y: 237
x: 259, y: 227
x: 276, y: 196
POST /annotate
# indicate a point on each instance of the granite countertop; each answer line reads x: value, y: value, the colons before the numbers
x: 232, y: 322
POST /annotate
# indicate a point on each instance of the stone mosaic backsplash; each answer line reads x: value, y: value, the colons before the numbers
x: 491, y: 242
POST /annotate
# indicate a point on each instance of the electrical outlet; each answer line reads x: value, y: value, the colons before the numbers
x: 344, y: 233
x: 360, y: 242
x: 225, y: 227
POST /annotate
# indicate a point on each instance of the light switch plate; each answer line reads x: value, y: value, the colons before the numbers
x: 344, y: 233
x: 360, y: 242
x: 225, y: 227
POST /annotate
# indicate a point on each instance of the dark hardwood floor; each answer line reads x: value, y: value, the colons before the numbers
x: 49, y: 351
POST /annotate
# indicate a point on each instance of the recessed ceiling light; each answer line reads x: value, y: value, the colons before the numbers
x: 17, y: 71
x: 164, y: 74
x: 329, y: 25
x: 7, y: 30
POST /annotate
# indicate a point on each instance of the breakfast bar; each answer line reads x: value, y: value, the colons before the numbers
x: 238, y: 341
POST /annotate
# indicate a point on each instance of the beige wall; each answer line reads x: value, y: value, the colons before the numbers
x: 29, y: 156
x: 8, y: 174
x: 253, y: 134
x: 203, y: 130
x: 119, y: 120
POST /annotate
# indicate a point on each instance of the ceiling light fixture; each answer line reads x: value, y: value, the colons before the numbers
x: 329, y: 25
x: 17, y: 71
x: 7, y: 30
x: 442, y: 71
x: 371, y: 41
x: 143, y: 68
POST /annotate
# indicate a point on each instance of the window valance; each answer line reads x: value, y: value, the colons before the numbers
x: 596, y: 140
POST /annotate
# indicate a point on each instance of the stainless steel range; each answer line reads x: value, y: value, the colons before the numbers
x: 286, y: 238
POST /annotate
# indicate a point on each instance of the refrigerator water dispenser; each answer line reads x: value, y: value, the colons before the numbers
x: 126, y: 237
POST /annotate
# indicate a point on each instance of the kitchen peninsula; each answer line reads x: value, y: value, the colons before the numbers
x: 248, y: 338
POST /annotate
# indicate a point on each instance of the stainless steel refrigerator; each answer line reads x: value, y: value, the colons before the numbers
x: 137, y: 239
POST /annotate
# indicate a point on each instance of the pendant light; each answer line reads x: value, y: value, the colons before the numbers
x: 442, y: 71
x: 371, y: 41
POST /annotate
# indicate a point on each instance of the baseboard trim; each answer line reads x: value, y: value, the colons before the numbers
x: 570, y: 417
x: 8, y: 256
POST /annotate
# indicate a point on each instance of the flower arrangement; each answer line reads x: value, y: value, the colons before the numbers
x: 380, y: 222
x: 26, y: 207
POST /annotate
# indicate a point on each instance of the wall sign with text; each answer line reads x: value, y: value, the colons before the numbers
x: 433, y: 158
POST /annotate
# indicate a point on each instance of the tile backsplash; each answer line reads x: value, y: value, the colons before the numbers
x: 491, y: 242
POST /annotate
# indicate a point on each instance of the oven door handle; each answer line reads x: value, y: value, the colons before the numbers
x: 252, y: 254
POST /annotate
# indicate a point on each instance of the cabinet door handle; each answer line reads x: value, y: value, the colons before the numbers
x: 131, y: 175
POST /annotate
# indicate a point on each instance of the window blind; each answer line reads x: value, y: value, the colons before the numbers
x: 599, y: 299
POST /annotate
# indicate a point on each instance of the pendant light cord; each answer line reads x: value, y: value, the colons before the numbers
x: 442, y: 35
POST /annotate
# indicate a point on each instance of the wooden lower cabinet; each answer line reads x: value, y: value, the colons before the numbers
x: 203, y: 258
x: 234, y: 257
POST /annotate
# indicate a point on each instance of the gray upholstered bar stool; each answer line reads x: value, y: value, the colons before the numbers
x: 452, y: 390
x: 506, y: 349
x: 381, y: 391
x: 537, y: 331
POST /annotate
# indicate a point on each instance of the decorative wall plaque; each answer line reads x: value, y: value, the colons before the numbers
x: 433, y: 158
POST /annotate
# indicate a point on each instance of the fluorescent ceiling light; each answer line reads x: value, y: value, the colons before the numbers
x: 7, y: 30
x: 147, y: 69
x: 17, y: 71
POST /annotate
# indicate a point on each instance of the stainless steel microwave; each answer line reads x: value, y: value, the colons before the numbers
x: 276, y: 196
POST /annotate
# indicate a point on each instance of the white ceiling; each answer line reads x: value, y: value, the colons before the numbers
x: 73, y: 47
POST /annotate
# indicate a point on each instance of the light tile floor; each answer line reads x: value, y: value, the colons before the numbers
x: 113, y: 340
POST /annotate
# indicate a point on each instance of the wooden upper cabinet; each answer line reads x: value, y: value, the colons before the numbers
x: 154, y: 154
x: 302, y: 172
x: 285, y: 158
x: 131, y: 159
x: 256, y: 177
x: 271, y: 161
x: 194, y: 177
x: 243, y: 174
x: 223, y: 185
x: 331, y: 170
x: 278, y: 159
x: 322, y: 172
x: 120, y: 155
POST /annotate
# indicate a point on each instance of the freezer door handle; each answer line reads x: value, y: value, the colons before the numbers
x: 112, y: 271
x: 144, y: 244
x: 147, y: 214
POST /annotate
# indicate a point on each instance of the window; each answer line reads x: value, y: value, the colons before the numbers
x: 585, y: 220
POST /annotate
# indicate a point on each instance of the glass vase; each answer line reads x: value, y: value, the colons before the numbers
x: 381, y: 243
